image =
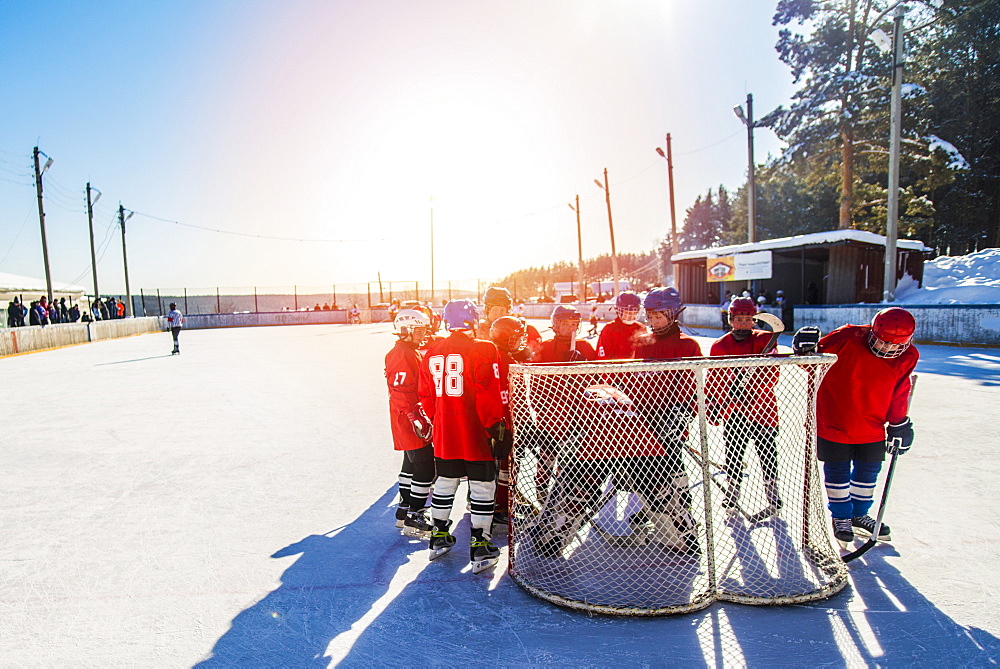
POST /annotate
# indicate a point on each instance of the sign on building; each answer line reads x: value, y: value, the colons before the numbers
x: 739, y: 267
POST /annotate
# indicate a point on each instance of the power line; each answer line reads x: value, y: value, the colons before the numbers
x: 247, y: 234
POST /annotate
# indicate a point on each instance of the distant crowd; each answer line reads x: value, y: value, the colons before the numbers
x: 42, y: 312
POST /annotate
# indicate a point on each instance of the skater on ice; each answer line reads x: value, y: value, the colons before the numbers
x: 861, y: 411
x: 175, y: 321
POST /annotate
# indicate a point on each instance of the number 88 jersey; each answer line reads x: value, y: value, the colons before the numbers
x: 460, y: 391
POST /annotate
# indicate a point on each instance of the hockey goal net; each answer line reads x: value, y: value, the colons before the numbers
x: 648, y: 488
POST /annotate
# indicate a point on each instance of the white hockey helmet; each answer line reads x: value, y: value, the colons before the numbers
x: 408, y: 321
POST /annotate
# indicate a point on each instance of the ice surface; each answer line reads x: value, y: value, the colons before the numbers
x: 232, y: 506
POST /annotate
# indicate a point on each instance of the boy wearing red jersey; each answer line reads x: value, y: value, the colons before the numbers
x: 861, y: 411
x: 411, y: 429
x: 619, y: 337
x: 744, y: 401
x: 564, y: 346
x: 460, y: 390
x: 510, y: 336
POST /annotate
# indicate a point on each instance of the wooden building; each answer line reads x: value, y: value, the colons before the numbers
x: 837, y: 267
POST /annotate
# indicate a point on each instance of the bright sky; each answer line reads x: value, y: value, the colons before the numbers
x: 319, y: 120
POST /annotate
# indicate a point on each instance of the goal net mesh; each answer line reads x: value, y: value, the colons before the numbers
x: 647, y: 488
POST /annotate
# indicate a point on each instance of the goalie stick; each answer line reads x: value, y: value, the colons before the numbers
x: 777, y: 327
x: 873, y: 539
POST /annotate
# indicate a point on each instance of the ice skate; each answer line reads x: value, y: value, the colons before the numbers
x: 501, y: 521
x: 842, y: 531
x: 417, y: 526
x: 441, y: 540
x: 482, y: 553
x: 401, y: 513
x: 866, y: 526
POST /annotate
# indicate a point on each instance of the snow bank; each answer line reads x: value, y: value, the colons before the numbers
x: 971, y: 279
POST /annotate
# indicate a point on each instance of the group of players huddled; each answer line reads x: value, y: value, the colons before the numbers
x: 450, y: 416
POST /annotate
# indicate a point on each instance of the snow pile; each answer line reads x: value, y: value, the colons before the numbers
x: 971, y: 279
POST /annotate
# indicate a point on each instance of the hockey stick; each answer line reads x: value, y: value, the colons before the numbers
x: 777, y: 327
x: 873, y: 539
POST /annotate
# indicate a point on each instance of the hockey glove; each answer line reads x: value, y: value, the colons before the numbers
x: 502, y: 441
x: 422, y: 426
x: 806, y: 340
x: 899, y: 437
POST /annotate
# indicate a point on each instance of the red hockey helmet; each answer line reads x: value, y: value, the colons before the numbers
x: 742, y: 305
x: 509, y: 334
x: 891, y: 332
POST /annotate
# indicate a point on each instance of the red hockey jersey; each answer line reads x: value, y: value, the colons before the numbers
x: 460, y: 391
x: 557, y: 350
x: 402, y: 373
x: 618, y: 340
x: 749, y: 392
x: 862, y: 391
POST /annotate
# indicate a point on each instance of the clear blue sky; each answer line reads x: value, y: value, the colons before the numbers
x: 321, y: 120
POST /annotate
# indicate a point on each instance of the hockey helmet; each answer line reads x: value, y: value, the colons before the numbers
x: 509, y: 334
x: 627, y: 306
x: 408, y: 321
x: 891, y: 332
x: 565, y: 313
x: 497, y: 296
x: 667, y: 300
x: 742, y: 305
x: 461, y: 315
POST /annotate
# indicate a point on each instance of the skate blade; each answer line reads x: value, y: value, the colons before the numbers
x: 415, y: 533
x: 864, y: 534
x: 400, y: 524
x: 483, y: 565
x: 438, y: 552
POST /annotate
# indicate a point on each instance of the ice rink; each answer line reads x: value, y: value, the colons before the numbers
x: 233, y: 506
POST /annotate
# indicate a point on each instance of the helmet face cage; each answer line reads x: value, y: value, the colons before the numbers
x: 509, y: 334
x: 627, y: 306
x: 891, y: 332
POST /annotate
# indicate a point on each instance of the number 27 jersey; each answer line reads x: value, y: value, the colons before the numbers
x: 460, y: 391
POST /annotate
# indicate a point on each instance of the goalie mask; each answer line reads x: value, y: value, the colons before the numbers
x: 891, y: 332
x: 461, y: 315
x: 627, y: 306
x: 565, y: 321
x: 412, y: 324
x: 741, y: 313
x: 663, y: 306
x: 509, y: 334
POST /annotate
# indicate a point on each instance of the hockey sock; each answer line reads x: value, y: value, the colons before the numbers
x: 443, y: 498
x: 481, y: 497
x: 503, y: 488
x: 405, y: 483
x: 838, y: 488
x: 863, y: 481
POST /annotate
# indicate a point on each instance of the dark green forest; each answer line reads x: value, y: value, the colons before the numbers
x: 834, y: 172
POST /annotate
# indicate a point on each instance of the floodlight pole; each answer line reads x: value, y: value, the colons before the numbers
x: 41, y: 221
x: 611, y: 227
x: 90, y: 224
x: 579, y: 249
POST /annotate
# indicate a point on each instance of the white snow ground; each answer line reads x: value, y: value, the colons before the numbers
x: 233, y: 507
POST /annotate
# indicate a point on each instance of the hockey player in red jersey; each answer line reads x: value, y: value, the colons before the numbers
x: 564, y: 346
x: 744, y: 401
x: 498, y: 304
x: 510, y: 336
x: 861, y: 411
x: 667, y: 400
x: 411, y: 429
x: 619, y: 337
x: 460, y: 390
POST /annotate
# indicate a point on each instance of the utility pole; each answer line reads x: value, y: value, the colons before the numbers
x: 90, y: 224
x: 128, y: 290
x: 579, y: 250
x: 895, y: 123
x: 41, y: 220
x: 611, y: 227
x: 674, y: 244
